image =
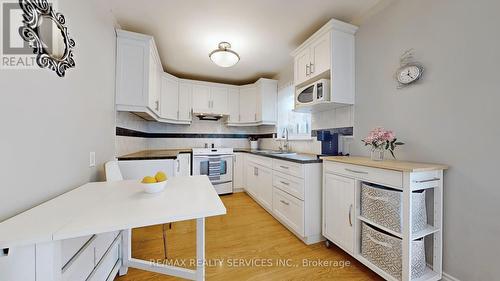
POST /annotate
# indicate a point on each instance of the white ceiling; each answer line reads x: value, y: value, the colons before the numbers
x: 262, y: 32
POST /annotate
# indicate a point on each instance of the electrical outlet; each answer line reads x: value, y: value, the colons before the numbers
x: 92, y: 159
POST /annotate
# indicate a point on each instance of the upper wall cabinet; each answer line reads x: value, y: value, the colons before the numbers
x: 210, y: 98
x: 328, y: 53
x: 257, y: 104
x: 138, y: 71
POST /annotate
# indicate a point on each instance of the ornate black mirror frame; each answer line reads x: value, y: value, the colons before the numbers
x: 33, y: 12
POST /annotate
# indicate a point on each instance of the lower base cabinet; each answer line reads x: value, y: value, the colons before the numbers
x: 290, y: 210
x: 338, y: 216
x: 289, y: 191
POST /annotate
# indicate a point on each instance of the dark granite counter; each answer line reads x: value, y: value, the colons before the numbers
x: 302, y: 158
x: 154, y: 154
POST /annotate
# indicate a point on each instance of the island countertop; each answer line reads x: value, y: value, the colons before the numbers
x: 154, y: 154
x: 395, y: 165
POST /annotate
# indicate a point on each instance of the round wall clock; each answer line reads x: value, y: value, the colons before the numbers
x: 410, y: 71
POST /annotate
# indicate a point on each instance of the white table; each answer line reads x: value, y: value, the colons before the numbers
x: 104, y: 207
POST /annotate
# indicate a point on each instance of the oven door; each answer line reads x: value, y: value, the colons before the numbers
x: 218, y: 168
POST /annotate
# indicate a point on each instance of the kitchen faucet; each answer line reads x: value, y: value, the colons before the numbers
x: 286, y: 146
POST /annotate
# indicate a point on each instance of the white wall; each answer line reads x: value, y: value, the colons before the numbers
x: 50, y: 124
x: 451, y: 117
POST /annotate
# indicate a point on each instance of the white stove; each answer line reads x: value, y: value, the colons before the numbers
x: 217, y: 164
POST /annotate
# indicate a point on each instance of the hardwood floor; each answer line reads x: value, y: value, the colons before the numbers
x: 245, y: 244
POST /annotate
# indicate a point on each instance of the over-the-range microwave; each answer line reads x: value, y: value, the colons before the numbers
x: 316, y: 92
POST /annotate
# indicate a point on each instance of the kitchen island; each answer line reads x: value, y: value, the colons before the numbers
x: 104, y: 207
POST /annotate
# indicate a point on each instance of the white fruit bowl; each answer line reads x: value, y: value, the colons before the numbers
x: 154, y: 187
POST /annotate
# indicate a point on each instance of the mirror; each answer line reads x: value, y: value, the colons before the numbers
x: 51, y: 37
x: 46, y: 32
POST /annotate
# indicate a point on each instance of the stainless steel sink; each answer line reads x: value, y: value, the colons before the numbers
x: 275, y: 152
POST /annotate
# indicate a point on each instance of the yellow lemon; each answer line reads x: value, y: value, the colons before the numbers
x: 148, y: 179
x: 161, y: 176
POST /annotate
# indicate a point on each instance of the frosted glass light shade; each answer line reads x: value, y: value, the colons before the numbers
x: 224, y: 57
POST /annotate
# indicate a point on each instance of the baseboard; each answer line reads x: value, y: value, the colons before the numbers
x: 447, y: 277
x: 237, y: 190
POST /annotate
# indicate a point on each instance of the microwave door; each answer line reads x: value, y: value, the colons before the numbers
x: 306, y: 95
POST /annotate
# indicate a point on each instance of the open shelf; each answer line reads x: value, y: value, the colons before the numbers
x: 392, y: 232
x: 416, y: 186
x: 429, y: 274
x: 416, y: 235
x: 428, y: 230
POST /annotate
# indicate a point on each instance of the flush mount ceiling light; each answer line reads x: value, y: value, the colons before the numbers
x: 224, y: 56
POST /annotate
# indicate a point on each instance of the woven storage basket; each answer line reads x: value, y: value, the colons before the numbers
x: 384, y: 207
x: 385, y: 251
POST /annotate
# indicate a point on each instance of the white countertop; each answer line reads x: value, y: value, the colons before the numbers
x: 102, y: 207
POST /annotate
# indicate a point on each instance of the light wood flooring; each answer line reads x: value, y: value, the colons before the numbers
x: 247, y: 234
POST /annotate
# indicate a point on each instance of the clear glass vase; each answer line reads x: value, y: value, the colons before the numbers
x: 377, y: 154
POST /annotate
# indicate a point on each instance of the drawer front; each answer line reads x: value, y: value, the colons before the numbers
x: 289, y: 168
x: 102, y: 243
x: 260, y: 160
x: 291, y: 185
x: 106, y: 265
x: 380, y: 176
x: 80, y: 267
x: 290, y: 210
x: 70, y: 247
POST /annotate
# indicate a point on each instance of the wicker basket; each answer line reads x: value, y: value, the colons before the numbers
x: 384, y: 207
x: 385, y: 251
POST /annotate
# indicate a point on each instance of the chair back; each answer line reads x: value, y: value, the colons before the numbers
x: 112, y: 171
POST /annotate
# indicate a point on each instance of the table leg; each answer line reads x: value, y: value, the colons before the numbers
x: 126, y: 251
x: 200, y: 249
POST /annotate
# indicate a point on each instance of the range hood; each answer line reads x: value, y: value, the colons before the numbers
x: 209, y: 116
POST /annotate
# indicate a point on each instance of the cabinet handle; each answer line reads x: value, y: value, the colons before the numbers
x: 177, y: 114
x: 284, y: 202
x: 308, y: 71
x: 285, y: 167
x: 178, y: 166
x: 157, y: 105
x: 356, y: 172
x: 285, y: 183
x: 255, y: 117
x: 255, y: 171
x: 311, y: 68
x: 350, y: 215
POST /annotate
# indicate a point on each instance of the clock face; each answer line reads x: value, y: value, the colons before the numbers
x: 409, y: 74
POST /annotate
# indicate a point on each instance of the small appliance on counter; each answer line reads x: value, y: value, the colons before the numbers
x: 329, y: 142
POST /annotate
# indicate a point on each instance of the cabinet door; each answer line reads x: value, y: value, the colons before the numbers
x: 338, y: 211
x: 251, y: 180
x: 182, y: 165
x: 201, y: 99
x: 218, y: 100
x: 131, y: 70
x: 267, y: 95
x: 154, y: 84
x: 233, y: 104
x: 265, y: 187
x: 320, y: 55
x: 301, y: 64
x: 238, y: 170
x: 248, y: 104
x: 169, y: 98
x: 185, y: 101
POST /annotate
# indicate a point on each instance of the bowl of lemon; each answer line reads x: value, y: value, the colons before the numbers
x: 154, y: 184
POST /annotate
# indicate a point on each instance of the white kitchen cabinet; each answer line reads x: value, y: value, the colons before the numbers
x: 137, y: 169
x: 233, y: 105
x: 338, y: 210
x: 201, y: 99
x: 138, y: 70
x: 185, y: 101
x: 289, y: 191
x: 239, y: 171
x: 328, y: 53
x: 218, y: 97
x: 301, y: 66
x: 248, y: 104
x: 18, y: 264
x: 265, y: 186
x: 169, y: 98
x: 257, y: 104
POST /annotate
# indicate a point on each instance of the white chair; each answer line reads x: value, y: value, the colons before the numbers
x: 112, y: 171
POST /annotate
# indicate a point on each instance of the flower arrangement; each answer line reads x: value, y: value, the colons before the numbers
x: 380, y: 138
